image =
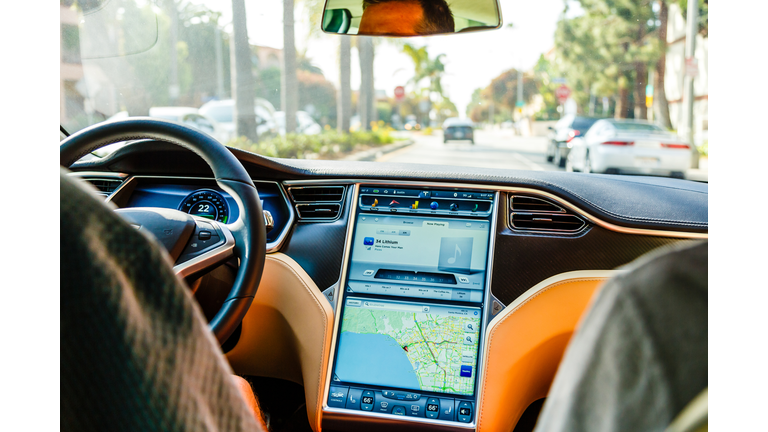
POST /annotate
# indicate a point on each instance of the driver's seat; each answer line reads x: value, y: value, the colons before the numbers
x: 136, y: 352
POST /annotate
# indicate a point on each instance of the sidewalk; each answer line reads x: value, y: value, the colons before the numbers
x: 701, y: 173
x: 375, y: 153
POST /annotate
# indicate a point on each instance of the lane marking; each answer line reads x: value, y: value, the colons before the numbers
x: 527, y: 162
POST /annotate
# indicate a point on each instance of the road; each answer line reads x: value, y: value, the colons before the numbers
x: 492, y: 149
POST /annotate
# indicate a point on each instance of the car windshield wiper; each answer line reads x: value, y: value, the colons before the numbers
x: 64, y: 131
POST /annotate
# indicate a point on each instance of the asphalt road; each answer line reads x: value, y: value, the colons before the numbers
x: 492, y: 149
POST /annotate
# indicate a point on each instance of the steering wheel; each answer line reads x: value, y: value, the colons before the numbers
x: 195, y: 244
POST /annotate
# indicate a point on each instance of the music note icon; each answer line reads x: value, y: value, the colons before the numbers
x: 452, y: 259
x: 455, y: 254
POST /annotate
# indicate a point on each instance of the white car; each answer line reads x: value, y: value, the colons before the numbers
x: 191, y: 117
x: 630, y: 147
x: 305, y: 124
x: 223, y: 112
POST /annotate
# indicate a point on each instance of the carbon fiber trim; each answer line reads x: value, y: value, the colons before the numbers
x: 318, y: 247
x: 524, y: 259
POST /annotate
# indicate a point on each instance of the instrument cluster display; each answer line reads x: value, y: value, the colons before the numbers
x: 206, y: 203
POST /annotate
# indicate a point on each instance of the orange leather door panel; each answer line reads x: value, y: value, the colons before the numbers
x: 526, y: 343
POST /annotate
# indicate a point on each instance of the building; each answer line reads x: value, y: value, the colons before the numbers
x: 71, y: 102
x: 675, y: 74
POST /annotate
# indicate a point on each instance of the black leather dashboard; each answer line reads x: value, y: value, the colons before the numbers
x: 633, y: 202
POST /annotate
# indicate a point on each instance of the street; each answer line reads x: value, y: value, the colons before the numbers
x: 492, y: 149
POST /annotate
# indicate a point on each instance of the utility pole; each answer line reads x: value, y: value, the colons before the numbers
x: 520, y: 102
x: 692, y: 27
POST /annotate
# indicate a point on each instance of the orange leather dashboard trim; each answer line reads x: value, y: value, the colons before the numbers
x: 287, y: 332
x: 526, y: 342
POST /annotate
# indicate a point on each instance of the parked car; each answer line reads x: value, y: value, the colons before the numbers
x: 561, y: 135
x: 305, y: 124
x: 630, y: 147
x: 411, y: 123
x: 458, y: 129
x: 223, y: 112
x: 191, y: 117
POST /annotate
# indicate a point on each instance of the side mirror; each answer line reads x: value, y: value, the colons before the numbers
x: 409, y: 17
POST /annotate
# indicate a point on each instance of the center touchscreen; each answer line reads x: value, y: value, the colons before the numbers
x: 411, y: 318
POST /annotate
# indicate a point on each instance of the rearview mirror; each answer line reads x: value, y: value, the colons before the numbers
x: 409, y: 17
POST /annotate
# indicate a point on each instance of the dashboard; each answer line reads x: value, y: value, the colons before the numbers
x: 414, y: 264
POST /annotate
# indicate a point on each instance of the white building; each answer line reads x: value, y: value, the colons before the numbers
x: 675, y: 74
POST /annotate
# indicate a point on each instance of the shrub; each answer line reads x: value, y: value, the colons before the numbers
x: 330, y: 144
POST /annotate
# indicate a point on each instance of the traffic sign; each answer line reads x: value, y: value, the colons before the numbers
x: 563, y: 93
x: 558, y: 80
x: 692, y: 67
x: 399, y: 93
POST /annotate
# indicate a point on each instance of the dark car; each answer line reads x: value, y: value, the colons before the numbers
x: 565, y: 130
x: 458, y: 129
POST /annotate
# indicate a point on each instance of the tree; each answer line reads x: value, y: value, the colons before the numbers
x: 660, y: 94
x: 243, y: 90
x: 367, y: 98
x: 290, y: 97
x: 606, y: 51
x: 431, y: 70
x: 345, y: 87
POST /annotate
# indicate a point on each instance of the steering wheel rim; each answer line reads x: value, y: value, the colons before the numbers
x: 248, y: 231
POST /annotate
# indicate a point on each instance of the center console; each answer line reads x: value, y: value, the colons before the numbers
x: 412, y: 308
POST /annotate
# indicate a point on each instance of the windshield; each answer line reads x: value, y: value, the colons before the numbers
x: 509, y: 87
x: 637, y: 127
x: 222, y: 114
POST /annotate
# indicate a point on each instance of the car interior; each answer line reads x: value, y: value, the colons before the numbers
x: 303, y: 267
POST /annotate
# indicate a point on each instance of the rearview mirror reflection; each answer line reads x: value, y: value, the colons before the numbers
x: 409, y: 17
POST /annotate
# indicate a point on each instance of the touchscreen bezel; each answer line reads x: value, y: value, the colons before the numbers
x: 339, y: 296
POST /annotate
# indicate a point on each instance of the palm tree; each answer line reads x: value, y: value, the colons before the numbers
x: 432, y: 69
x: 344, y: 106
x: 290, y: 82
x: 660, y: 96
x: 243, y: 90
x: 366, y: 99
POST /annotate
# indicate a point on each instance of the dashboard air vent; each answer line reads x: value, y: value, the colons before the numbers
x: 317, y: 202
x: 105, y: 185
x: 537, y: 214
x: 317, y: 193
x: 530, y: 204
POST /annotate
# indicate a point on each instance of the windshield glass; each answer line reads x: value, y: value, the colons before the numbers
x: 637, y: 127
x: 509, y: 87
x: 222, y: 114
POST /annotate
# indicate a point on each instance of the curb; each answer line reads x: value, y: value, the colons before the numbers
x: 373, y: 154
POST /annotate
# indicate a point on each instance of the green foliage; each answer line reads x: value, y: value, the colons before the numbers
x: 328, y: 145
x: 601, y: 51
x: 704, y: 148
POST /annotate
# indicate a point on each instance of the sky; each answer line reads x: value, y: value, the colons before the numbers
x: 472, y: 60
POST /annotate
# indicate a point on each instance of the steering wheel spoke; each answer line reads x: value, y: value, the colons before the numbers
x: 210, y: 244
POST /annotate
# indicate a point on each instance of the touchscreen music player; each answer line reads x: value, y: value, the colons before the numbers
x: 413, y: 305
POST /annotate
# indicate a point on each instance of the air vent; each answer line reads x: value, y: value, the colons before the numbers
x: 530, y: 204
x: 317, y: 202
x: 105, y: 186
x: 537, y: 214
x: 317, y: 193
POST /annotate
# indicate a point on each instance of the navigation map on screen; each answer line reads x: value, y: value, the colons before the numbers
x: 409, y: 345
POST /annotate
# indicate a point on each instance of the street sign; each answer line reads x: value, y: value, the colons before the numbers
x: 563, y: 93
x: 558, y: 80
x: 692, y: 67
x: 399, y: 93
